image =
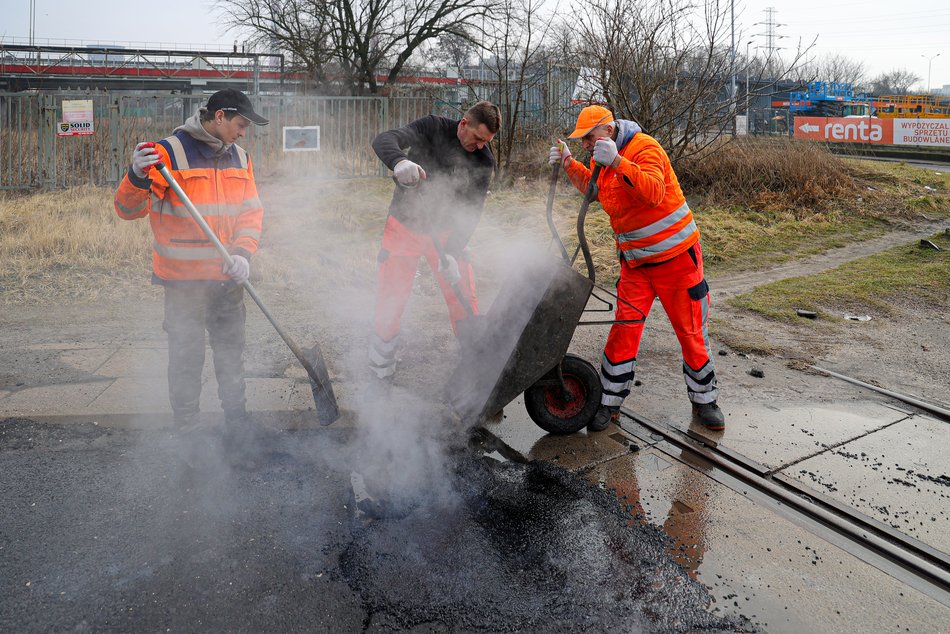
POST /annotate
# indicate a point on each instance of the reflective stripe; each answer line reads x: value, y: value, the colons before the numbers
x: 131, y: 210
x: 701, y: 375
x: 655, y: 228
x: 616, y: 380
x: 675, y: 239
x: 207, y: 211
x: 250, y: 233
x: 249, y: 204
x: 178, y: 152
x: 242, y: 155
x: 382, y: 356
x: 701, y: 385
x: 185, y: 253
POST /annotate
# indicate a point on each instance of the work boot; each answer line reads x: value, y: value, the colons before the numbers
x: 602, y: 419
x: 709, y: 415
x: 186, y: 423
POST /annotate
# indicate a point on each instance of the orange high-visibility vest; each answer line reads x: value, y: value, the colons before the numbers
x: 223, y: 190
x: 642, y: 196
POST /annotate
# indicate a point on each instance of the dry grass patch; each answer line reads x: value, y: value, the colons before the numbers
x: 66, y: 244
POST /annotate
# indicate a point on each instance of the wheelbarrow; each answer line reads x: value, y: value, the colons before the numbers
x: 522, y: 341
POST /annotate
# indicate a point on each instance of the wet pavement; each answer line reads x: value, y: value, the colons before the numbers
x: 124, y: 530
x: 114, y: 523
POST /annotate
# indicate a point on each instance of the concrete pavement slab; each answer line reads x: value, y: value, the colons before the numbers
x: 86, y: 359
x: 776, y: 434
x: 132, y: 395
x: 898, y: 475
x: 135, y: 361
x: 757, y: 563
x: 66, y: 398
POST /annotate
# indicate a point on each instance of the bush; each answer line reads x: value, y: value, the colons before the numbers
x: 766, y: 173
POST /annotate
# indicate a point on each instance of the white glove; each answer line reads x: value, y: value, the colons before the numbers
x: 559, y: 152
x: 605, y: 152
x: 449, y: 268
x: 144, y: 156
x: 408, y: 173
x: 239, y: 270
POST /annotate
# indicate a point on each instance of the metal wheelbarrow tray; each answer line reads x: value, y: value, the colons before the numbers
x: 521, y: 345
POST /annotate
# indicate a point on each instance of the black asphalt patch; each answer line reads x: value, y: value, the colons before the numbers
x: 110, y: 530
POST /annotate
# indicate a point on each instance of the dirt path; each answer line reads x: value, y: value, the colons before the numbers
x: 731, y: 285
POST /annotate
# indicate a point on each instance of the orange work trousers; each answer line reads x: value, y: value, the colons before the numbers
x: 397, y: 264
x: 681, y: 287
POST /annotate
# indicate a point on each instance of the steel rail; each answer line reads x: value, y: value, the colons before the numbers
x: 926, y: 564
x: 943, y: 412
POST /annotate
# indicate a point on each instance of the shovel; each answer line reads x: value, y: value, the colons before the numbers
x: 312, y: 359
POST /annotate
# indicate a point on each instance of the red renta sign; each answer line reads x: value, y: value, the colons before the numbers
x: 845, y: 130
x: 928, y: 132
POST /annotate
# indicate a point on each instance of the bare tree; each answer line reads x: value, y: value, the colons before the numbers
x: 896, y: 82
x: 518, y: 39
x: 355, y: 39
x: 841, y: 68
x: 668, y: 65
x: 300, y: 28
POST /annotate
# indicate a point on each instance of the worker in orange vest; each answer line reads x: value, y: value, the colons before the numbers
x: 201, y: 291
x: 660, y: 256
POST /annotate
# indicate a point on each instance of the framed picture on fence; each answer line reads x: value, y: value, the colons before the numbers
x: 302, y: 138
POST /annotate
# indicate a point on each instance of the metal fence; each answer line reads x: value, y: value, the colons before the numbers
x: 33, y: 155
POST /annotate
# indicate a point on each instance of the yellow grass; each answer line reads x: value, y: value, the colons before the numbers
x: 67, y: 242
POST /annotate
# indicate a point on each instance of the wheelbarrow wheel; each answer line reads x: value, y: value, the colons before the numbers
x: 551, y: 412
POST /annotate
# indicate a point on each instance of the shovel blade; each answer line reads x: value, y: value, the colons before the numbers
x: 323, y: 398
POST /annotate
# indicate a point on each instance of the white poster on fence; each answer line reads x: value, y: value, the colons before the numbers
x: 932, y: 132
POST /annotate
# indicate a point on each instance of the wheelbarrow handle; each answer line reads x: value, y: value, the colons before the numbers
x: 330, y: 411
x: 589, y: 196
x: 549, y: 211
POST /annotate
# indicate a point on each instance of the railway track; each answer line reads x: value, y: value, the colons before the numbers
x: 904, y: 558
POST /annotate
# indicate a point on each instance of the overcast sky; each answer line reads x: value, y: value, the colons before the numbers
x: 884, y: 34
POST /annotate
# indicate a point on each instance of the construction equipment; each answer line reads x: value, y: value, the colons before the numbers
x: 912, y: 107
x: 312, y: 359
x: 826, y: 99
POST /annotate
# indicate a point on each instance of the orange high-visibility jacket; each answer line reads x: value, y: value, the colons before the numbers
x: 642, y: 196
x: 223, y: 190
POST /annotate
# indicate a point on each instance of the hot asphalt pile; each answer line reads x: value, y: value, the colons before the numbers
x: 107, y: 530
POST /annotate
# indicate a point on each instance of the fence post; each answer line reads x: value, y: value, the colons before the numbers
x: 115, y: 165
x: 381, y: 169
x: 47, y: 141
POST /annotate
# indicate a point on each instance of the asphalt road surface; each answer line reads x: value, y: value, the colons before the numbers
x: 123, y: 530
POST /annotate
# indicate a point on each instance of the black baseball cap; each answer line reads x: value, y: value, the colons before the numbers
x: 231, y: 100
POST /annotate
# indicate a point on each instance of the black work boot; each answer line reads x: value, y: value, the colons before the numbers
x: 602, y: 419
x: 709, y: 415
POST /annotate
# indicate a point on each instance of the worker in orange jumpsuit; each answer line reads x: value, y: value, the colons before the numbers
x: 442, y: 168
x: 660, y: 257
x: 201, y: 291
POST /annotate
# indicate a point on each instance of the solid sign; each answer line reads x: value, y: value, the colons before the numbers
x: 302, y: 138
x: 77, y: 118
x: 75, y: 128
